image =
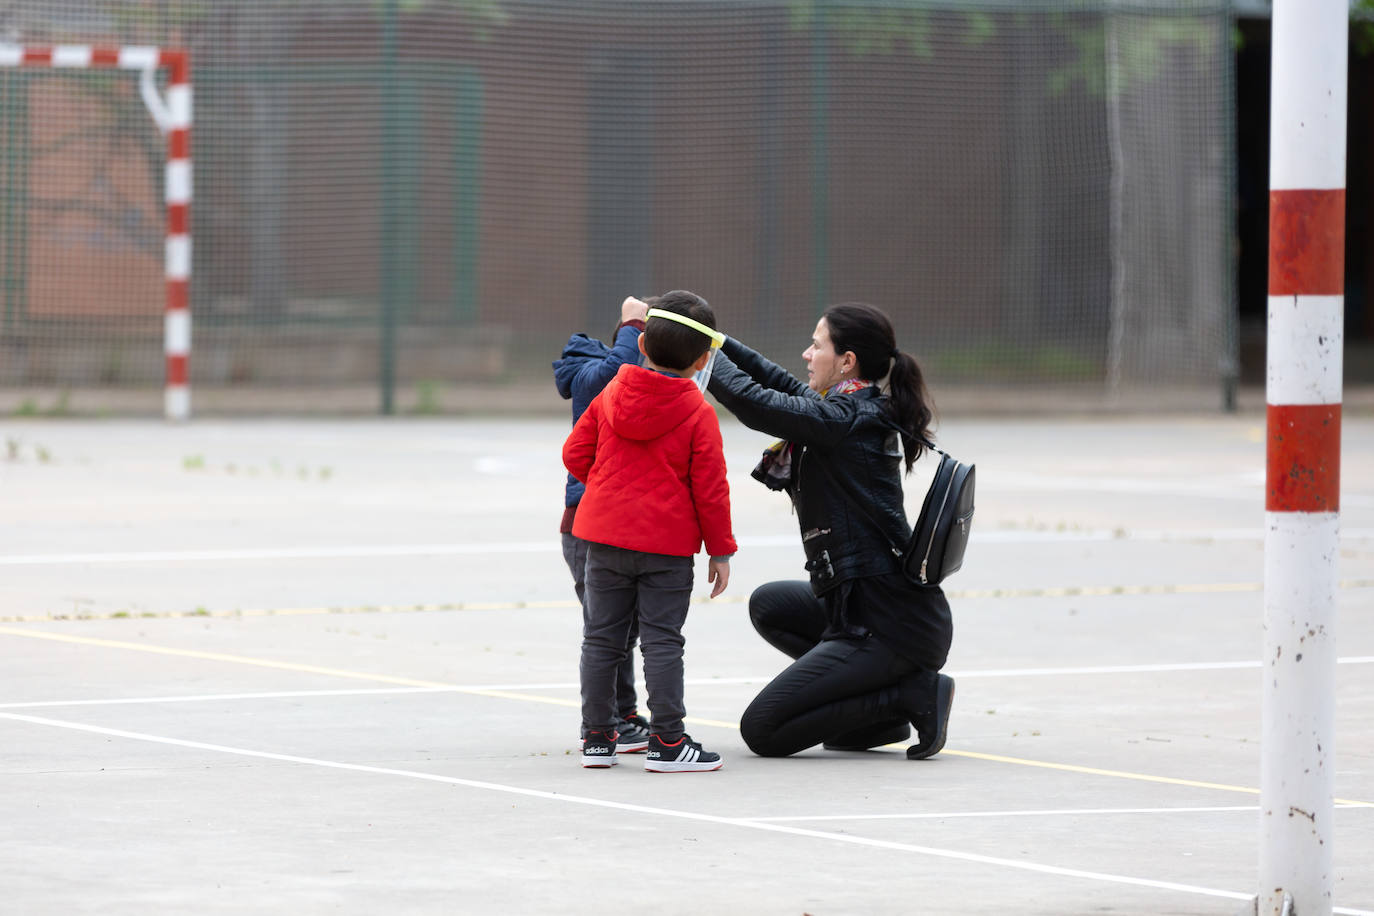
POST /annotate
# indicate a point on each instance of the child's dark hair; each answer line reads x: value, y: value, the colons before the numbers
x: 673, y: 345
x: 865, y: 331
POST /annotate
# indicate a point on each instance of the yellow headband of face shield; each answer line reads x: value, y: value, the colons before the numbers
x: 717, y: 338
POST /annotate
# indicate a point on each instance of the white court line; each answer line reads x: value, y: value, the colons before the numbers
x: 1135, y: 669
x: 277, y: 553
x: 213, y: 697
x: 845, y: 838
x: 348, y: 551
x: 1246, y: 486
x: 356, y: 692
x: 690, y: 682
x: 1049, y: 812
x: 1182, y: 535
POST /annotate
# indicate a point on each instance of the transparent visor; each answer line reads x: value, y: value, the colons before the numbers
x: 703, y: 377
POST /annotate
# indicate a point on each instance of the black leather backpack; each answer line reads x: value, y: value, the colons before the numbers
x: 938, y: 538
x: 940, y: 533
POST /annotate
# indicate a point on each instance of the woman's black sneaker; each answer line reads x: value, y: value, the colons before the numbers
x: 932, y: 726
x: 681, y: 756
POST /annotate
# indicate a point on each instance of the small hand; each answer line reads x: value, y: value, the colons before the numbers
x: 718, y: 571
x: 633, y: 309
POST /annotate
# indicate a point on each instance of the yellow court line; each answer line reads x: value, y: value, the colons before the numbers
x: 285, y: 666
x: 1052, y: 591
x: 556, y: 701
x: 1122, y: 774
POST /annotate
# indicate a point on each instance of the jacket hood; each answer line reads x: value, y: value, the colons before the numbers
x: 579, y: 349
x: 644, y: 404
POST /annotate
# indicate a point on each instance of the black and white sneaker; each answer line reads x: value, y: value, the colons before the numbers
x: 631, y: 737
x: 634, y: 734
x: 598, y: 749
x: 681, y: 756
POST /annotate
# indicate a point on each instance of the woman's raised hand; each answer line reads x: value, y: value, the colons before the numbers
x: 633, y: 309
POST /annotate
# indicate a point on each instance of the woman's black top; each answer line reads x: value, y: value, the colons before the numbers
x: 841, y: 464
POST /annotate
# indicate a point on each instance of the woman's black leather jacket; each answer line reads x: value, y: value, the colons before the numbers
x: 845, y: 451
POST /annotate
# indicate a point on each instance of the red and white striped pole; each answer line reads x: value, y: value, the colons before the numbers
x: 1302, y: 500
x: 177, y: 335
x: 175, y: 121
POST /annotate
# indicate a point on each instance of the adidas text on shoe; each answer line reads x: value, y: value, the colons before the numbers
x: 630, y: 738
x: 598, y: 749
x: 681, y: 756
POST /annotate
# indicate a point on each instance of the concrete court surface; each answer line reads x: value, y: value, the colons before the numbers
x: 330, y: 667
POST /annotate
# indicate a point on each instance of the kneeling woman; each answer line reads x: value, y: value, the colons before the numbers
x: 868, y: 642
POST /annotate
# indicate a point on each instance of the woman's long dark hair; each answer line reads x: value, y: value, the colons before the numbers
x: 865, y: 331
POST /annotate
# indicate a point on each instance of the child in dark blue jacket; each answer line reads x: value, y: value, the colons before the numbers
x: 585, y: 367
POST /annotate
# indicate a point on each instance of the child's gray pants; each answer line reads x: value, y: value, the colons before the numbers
x: 660, y: 586
x: 575, y: 553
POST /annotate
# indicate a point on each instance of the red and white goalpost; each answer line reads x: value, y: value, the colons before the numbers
x: 173, y: 117
x: 1302, y: 501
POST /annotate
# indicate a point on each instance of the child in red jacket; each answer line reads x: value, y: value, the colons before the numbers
x: 649, y: 450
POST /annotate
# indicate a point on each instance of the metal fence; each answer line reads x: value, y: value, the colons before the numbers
x: 397, y: 197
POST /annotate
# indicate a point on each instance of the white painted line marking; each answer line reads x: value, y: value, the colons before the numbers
x: 360, y: 692
x: 1247, y: 486
x: 343, y: 551
x: 1050, y: 812
x: 663, y: 812
x: 1182, y: 535
x: 690, y: 682
x: 346, y: 551
x: 221, y: 697
x: 278, y: 553
x: 1133, y: 669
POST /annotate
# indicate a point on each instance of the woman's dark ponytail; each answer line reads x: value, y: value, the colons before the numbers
x: 865, y: 331
x: 910, y: 404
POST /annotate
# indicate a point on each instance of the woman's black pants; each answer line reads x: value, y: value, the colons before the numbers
x: 842, y: 692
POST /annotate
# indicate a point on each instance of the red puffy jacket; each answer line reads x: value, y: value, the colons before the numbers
x: 649, y: 450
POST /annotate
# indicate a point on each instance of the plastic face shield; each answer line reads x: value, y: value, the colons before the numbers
x: 703, y: 377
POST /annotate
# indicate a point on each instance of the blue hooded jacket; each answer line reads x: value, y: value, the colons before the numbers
x: 585, y: 367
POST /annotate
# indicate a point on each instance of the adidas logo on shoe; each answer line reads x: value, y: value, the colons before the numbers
x: 598, y: 749
x: 681, y: 756
x: 631, y: 737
